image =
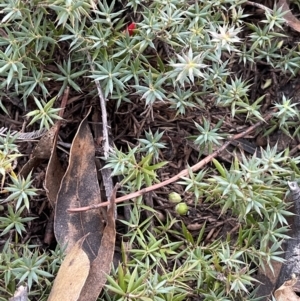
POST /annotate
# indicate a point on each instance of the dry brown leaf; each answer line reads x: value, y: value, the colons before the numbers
x: 41, y: 151
x: 290, y: 19
x: 45, y: 145
x: 102, y: 264
x: 71, y: 275
x: 29, y: 166
x: 54, y: 175
x: 53, y: 178
x: 79, y: 188
x: 286, y: 291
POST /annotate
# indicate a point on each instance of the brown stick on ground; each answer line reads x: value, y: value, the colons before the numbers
x: 183, y: 173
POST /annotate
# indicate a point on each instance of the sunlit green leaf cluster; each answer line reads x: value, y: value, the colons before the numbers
x: 137, y: 173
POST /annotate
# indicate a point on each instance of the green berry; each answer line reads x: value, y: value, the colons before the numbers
x: 182, y: 208
x: 174, y: 197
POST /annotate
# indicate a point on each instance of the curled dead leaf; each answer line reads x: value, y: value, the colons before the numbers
x: 286, y: 291
x: 79, y: 187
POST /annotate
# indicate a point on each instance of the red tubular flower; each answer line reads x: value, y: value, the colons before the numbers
x: 130, y: 28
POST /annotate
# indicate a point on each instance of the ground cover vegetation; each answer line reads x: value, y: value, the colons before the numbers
x: 180, y: 78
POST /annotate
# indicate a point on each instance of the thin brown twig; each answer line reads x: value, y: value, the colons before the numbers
x: 103, y: 110
x: 183, y: 173
x: 259, y: 6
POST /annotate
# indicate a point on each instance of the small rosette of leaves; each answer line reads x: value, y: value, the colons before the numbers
x: 45, y: 113
x: 21, y: 190
x: 152, y: 143
x: 135, y: 173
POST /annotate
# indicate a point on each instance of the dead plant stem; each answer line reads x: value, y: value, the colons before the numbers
x: 103, y: 110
